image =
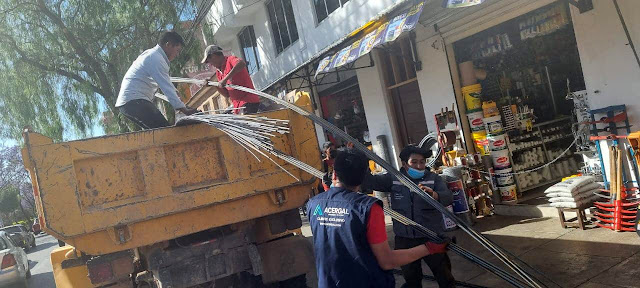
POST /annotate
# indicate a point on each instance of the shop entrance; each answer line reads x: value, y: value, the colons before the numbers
x: 342, y: 106
x: 402, y: 84
x: 410, y: 118
x: 514, y: 77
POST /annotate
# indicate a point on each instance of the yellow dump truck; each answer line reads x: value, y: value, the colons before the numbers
x: 174, y: 207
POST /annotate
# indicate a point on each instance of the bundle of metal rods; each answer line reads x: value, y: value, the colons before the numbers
x: 253, y: 133
x: 488, y: 244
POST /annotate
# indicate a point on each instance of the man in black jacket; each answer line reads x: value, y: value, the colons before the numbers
x: 417, y: 209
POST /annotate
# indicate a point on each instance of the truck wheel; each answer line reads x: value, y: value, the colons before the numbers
x: 295, y: 282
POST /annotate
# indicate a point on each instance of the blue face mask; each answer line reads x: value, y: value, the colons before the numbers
x: 415, y: 173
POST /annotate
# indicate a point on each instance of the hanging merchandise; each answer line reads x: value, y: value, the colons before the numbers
x: 460, y: 204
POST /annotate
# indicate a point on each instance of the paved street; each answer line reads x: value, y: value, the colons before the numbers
x: 41, y: 270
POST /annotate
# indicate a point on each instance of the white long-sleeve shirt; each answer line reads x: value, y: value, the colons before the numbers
x: 148, y: 72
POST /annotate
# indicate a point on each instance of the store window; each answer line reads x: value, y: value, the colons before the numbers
x: 283, y: 23
x: 325, y: 7
x: 342, y: 106
x: 247, y: 39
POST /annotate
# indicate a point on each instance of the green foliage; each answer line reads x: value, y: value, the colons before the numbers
x: 58, y: 57
x: 9, y: 200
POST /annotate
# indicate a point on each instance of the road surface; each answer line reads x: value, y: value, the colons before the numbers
x: 41, y: 270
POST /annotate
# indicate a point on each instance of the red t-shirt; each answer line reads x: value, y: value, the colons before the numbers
x: 242, y: 78
x: 376, y: 228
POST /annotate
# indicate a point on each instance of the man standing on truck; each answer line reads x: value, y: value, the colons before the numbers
x: 148, y: 72
x: 232, y: 70
x: 417, y: 209
x: 349, y: 235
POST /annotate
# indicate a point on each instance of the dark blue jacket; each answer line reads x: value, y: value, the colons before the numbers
x: 410, y: 204
x: 344, y: 258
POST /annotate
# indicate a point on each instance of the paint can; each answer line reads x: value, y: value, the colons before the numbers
x: 508, y: 193
x: 475, y: 120
x: 497, y: 142
x: 460, y: 204
x: 493, y: 125
x: 472, y: 95
x: 500, y: 159
x: 504, y: 177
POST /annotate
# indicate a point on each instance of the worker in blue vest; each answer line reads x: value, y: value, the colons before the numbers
x: 349, y: 234
x: 417, y: 209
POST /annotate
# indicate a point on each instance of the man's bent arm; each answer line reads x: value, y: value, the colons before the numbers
x: 389, y: 259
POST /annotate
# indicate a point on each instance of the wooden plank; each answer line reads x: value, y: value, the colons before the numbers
x: 402, y: 83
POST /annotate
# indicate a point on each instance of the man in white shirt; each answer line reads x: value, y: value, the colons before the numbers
x: 149, y: 72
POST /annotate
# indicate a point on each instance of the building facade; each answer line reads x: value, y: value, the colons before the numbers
x: 389, y: 97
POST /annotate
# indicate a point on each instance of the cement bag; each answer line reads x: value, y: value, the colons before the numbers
x: 571, y: 185
x: 584, y: 192
x: 575, y: 204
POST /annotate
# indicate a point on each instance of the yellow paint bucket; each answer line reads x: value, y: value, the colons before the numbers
x: 471, y: 96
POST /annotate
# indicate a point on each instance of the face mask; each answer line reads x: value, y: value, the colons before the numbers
x: 415, y: 173
x: 333, y: 154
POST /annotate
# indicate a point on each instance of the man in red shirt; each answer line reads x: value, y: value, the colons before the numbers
x: 349, y: 233
x: 232, y: 70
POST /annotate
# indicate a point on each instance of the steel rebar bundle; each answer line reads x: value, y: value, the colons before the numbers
x: 488, y: 244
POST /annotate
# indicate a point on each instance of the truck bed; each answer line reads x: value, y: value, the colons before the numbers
x: 119, y: 192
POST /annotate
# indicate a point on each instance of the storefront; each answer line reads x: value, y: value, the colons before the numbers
x: 514, y: 79
x: 342, y: 106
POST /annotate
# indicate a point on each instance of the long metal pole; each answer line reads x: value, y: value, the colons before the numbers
x: 494, y: 249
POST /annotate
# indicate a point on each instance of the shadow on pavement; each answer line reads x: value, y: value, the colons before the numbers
x: 42, y: 246
x: 42, y: 280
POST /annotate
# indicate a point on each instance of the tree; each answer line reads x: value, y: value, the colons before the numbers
x: 16, y: 191
x: 58, y: 59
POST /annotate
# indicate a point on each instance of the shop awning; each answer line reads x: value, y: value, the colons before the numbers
x: 386, y: 32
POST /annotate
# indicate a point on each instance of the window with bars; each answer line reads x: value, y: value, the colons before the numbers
x: 249, y: 49
x: 283, y: 23
x: 326, y: 7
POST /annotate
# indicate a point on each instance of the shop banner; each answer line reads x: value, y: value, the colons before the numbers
x: 460, y: 3
x: 387, y: 32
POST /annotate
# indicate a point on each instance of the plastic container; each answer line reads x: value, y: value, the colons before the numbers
x: 481, y: 142
x: 472, y: 95
x: 497, y: 142
x: 493, y: 125
x: 508, y: 193
x: 460, y: 204
x: 490, y: 109
x: 500, y: 159
x: 475, y: 120
x: 504, y: 177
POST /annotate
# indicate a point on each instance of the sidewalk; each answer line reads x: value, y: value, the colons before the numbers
x: 591, y: 258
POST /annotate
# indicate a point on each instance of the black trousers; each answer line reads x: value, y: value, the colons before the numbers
x: 144, y: 113
x: 440, y: 265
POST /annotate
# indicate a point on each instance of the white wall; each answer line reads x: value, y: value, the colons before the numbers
x: 608, y: 63
x: 313, y: 37
x: 377, y: 107
x: 434, y: 80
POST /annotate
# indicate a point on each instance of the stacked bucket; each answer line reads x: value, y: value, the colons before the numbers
x: 473, y: 102
x: 499, y: 150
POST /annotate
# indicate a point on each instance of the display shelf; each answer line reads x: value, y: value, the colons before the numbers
x: 526, y: 148
x: 554, y: 180
x: 558, y: 139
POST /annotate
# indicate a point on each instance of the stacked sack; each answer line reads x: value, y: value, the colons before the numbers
x: 574, y: 192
